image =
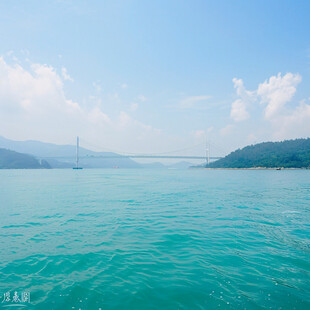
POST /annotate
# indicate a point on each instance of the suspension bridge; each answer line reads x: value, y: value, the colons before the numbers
x: 117, y: 154
x: 83, y: 153
x: 151, y: 156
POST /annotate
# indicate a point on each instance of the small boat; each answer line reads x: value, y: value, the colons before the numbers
x: 279, y: 168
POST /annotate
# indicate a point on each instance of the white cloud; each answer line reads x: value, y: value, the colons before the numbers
x: 294, y: 124
x: 124, y: 85
x: 189, y: 102
x: 272, y: 98
x: 287, y: 122
x: 65, y: 75
x: 239, y: 107
x: 274, y: 94
x: 20, y: 89
x: 240, y: 89
x: 277, y: 92
x: 96, y: 116
x: 33, y: 105
x: 238, y: 111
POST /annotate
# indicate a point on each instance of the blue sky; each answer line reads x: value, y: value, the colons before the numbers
x: 154, y: 76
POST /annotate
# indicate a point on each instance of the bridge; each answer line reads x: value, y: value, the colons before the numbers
x: 150, y: 156
x: 205, y: 147
x: 110, y: 154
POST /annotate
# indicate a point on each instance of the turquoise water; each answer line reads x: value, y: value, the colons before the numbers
x: 147, y: 239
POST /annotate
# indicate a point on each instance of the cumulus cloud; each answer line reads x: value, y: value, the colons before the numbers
x: 33, y: 105
x: 21, y: 90
x: 65, y: 75
x: 294, y: 124
x: 273, y: 96
x: 273, y: 93
x: 238, y: 111
x: 240, y: 89
x: 239, y: 107
x: 277, y: 91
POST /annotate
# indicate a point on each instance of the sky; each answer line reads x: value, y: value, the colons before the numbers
x: 155, y: 76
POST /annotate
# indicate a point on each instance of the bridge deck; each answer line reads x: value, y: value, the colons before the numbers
x: 135, y: 156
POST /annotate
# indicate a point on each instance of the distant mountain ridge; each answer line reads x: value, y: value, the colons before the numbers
x: 286, y: 154
x: 14, y: 160
x: 53, y: 154
x: 63, y: 156
x: 45, y: 149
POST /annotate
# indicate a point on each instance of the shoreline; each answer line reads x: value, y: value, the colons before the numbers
x: 252, y: 168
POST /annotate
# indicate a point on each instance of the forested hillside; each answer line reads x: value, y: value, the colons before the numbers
x: 13, y: 160
x: 286, y: 154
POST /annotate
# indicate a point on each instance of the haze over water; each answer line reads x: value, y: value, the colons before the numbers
x: 156, y: 239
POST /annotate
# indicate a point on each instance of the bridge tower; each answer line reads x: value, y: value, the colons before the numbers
x: 77, y: 154
x: 207, y: 152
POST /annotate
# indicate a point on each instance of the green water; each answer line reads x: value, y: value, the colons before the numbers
x: 147, y: 239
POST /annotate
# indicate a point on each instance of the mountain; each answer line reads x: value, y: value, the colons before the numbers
x: 286, y: 154
x: 14, y: 160
x: 154, y: 165
x: 63, y: 156
x: 181, y: 165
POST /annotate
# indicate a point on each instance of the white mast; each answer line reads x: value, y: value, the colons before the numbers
x: 77, y: 152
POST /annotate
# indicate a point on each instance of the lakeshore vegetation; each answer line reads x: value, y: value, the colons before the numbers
x: 285, y: 154
x: 14, y: 160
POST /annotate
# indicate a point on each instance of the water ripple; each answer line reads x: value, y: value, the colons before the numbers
x: 157, y: 239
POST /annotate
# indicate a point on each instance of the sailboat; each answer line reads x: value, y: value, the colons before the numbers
x: 77, y: 154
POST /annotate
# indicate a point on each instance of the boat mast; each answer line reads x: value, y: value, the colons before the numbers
x: 77, y: 152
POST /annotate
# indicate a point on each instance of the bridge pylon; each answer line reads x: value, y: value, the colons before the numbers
x: 207, y: 152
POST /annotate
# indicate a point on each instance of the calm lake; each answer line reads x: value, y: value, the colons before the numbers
x: 155, y: 239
